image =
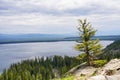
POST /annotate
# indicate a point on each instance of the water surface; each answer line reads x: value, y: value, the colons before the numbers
x: 11, y: 53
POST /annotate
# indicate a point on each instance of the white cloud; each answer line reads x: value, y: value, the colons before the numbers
x: 34, y: 16
x: 62, y: 5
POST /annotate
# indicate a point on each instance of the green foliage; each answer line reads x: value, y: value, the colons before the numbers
x: 39, y: 68
x: 73, y: 78
x: 99, y: 63
x: 68, y: 78
x: 86, y: 44
x: 95, y: 72
x: 114, y: 46
x: 111, y: 51
x: 81, y: 56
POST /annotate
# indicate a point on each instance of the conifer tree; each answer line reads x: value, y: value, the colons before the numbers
x: 90, y: 47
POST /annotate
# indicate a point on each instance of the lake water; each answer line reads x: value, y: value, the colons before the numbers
x: 11, y: 53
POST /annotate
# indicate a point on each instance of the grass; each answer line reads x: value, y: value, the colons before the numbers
x: 95, y: 72
x: 68, y: 78
x: 72, y: 78
x: 100, y: 63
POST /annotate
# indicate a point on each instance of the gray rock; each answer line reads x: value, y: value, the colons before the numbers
x: 102, y: 77
x: 99, y: 77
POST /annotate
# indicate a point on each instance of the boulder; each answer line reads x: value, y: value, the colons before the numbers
x: 102, y: 77
x: 99, y: 77
x: 111, y: 68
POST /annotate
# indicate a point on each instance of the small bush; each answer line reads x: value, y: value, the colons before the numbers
x: 73, y: 78
x: 95, y: 72
x: 110, y: 72
x: 68, y: 78
x: 99, y: 63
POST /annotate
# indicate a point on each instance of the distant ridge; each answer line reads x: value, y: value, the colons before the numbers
x: 110, y: 37
x: 23, y: 38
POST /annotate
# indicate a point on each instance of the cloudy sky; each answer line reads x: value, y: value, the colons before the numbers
x: 58, y: 16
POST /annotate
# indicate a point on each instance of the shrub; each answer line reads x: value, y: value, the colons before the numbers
x: 110, y: 72
x: 95, y: 72
x: 68, y: 78
x: 99, y: 63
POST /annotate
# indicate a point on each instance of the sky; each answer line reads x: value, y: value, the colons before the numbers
x: 58, y: 16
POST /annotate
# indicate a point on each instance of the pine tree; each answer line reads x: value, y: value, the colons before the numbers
x: 90, y: 47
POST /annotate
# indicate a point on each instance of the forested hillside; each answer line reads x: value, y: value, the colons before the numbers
x: 111, y: 51
x: 52, y: 67
x: 40, y: 68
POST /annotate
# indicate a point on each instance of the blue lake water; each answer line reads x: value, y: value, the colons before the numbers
x: 11, y: 53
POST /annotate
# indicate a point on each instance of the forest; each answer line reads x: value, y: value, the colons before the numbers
x: 52, y: 67
x: 47, y: 68
x: 40, y: 68
x: 111, y: 51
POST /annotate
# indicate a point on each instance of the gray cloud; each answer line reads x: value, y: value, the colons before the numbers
x: 62, y: 7
x: 34, y: 16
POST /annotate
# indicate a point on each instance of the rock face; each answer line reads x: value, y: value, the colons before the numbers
x: 99, y: 77
x: 110, y: 71
x: 85, y: 71
x: 111, y: 68
x: 102, y: 77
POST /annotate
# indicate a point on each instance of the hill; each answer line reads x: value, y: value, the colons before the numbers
x: 23, y: 38
x: 40, y: 68
x: 57, y: 66
x: 111, y: 51
x: 111, y: 70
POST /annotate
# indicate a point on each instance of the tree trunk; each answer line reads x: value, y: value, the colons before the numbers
x: 88, y: 59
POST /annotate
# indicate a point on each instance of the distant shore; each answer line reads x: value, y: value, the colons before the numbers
x: 28, y: 38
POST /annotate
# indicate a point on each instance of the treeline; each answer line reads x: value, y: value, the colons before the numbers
x: 40, y: 68
x: 111, y: 51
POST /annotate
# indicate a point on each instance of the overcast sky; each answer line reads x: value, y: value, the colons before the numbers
x: 58, y: 16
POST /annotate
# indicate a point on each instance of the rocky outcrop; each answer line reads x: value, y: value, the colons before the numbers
x: 85, y: 71
x: 102, y: 77
x: 111, y: 68
x: 110, y: 71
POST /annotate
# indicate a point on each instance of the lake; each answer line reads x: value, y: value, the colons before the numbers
x: 11, y: 53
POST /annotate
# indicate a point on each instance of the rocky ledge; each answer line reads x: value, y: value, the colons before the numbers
x: 110, y: 71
